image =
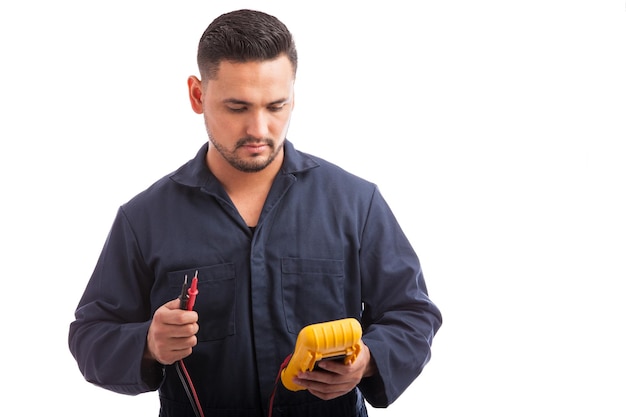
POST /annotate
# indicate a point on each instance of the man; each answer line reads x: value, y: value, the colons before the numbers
x: 277, y: 239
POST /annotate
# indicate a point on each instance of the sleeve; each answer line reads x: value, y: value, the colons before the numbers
x: 399, y: 319
x: 108, y: 336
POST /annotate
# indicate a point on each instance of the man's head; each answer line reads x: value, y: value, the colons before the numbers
x: 247, y: 62
x: 244, y: 36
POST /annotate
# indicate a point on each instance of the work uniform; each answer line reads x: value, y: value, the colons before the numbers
x: 326, y: 247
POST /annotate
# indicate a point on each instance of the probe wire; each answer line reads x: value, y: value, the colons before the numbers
x: 189, y: 388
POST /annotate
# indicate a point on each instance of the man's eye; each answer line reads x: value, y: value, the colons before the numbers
x: 237, y: 109
x: 276, y: 108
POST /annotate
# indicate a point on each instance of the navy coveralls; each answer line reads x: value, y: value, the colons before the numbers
x: 326, y: 247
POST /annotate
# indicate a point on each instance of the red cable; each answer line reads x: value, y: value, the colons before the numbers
x: 193, y: 389
x: 280, y: 371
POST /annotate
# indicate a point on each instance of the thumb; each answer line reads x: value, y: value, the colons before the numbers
x: 173, y: 304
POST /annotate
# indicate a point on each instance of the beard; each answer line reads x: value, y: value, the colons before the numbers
x: 254, y: 164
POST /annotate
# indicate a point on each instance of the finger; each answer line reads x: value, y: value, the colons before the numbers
x: 181, y: 331
x: 173, y: 304
x: 319, y: 378
x: 325, y: 395
x: 174, y: 307
x: 333, y: 366
x: 323, y: 390
x: 174, y: 316
x: 182, y: 343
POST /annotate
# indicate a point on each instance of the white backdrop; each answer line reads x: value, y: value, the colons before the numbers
x: 495, y: 130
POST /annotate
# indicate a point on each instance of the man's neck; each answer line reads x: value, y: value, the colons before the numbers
x: 247, y: 190
x: 236, y: 181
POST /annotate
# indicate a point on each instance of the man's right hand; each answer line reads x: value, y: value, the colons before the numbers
x: 172, y: 333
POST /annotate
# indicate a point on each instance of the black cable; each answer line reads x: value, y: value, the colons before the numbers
x: 193, y: 400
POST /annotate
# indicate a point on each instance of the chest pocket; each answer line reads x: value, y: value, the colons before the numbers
x: 312, y: 290
x: 215, y: 303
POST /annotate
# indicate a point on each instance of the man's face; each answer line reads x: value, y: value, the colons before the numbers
x: 247, y: 109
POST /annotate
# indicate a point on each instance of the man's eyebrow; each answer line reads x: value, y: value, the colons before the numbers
x: 235, y: 101
x: 280, y: 101
x: 246, y: 103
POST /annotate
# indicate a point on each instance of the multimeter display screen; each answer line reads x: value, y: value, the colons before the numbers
x: 338, y: 358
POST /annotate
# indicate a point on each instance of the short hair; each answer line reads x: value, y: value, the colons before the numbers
x: 244, y: 36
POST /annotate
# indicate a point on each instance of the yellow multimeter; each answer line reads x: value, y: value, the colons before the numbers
x: 331, y: 340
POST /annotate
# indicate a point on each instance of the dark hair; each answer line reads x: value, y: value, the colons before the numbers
x: 244, y: 36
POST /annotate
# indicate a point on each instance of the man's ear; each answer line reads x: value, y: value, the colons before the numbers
x: 195, y: 93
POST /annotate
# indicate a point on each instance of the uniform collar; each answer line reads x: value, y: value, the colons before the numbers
x: 195, y: 173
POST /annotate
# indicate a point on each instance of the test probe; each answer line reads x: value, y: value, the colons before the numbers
x: 187, y: 301
x: 188, y: 294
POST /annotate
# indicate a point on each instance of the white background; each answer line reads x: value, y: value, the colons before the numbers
x: 495, y: 130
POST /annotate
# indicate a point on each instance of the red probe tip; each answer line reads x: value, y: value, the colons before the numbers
x: 192, y: 292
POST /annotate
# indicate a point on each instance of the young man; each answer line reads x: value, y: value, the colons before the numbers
x: 277, y: 239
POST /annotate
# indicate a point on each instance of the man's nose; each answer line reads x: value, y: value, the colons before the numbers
x: 258, y: 125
